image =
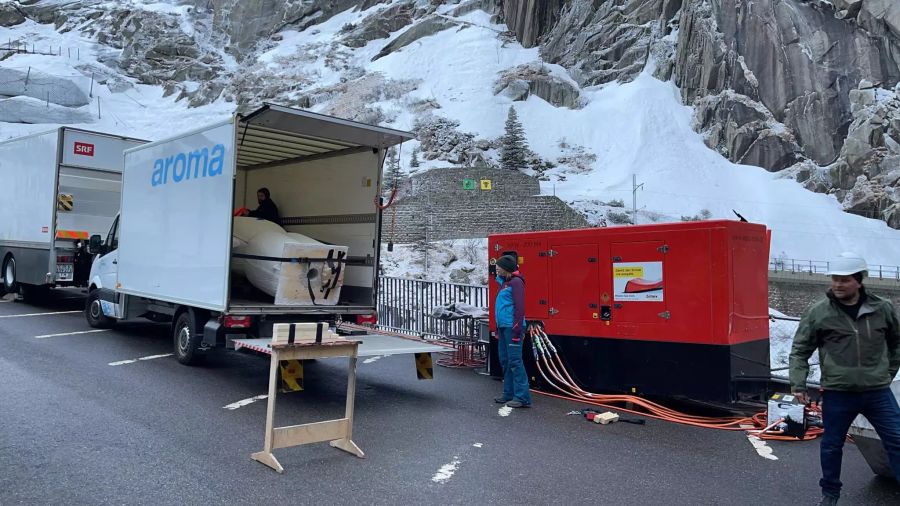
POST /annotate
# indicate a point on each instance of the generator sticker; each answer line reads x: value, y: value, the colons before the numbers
x: 638, y: 281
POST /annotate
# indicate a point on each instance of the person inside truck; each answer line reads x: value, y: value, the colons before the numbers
x: 858, y: 337
x: 510, y: 317
x: 267, y: 209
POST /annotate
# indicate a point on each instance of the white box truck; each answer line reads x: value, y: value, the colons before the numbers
x: 170, y: 254
x: 56, y: 189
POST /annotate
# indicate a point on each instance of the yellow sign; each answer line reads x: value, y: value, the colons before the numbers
x: 485, y: 184
x: 424, y: 366
x: 65, y: 202
x: 628, y: 272
x: 291, y: 376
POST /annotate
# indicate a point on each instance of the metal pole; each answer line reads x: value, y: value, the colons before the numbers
x: 91, y: 93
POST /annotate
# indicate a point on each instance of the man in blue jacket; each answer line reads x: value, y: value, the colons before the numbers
x: 509, y: 313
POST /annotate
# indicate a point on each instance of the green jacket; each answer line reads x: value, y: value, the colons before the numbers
x: 854, y: 355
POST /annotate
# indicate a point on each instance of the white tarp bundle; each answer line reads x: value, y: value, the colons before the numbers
x: 289, y: 282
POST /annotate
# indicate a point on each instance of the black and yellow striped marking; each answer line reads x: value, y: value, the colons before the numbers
x: 65, y: 202
x: 424, y: 366
x: 291, y: 376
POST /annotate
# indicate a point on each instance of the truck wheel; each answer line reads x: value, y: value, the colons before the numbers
x: 9, y: 274
x: 93, y: 312
x: 186, y: 337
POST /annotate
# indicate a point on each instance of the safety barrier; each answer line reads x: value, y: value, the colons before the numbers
x: 821, y: 267
x: 406, y: 305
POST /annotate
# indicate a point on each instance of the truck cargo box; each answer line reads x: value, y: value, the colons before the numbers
x: 673, y: 309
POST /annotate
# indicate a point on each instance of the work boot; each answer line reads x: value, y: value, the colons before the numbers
x: 500, y: 400
x: 828, y: 500
x: 517, y: 404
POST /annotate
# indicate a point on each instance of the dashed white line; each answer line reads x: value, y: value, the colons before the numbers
x: 244, y: 402
x: 38, y: 314
x: 446, y: 471
x: 151, y: 357
x: 763, y: 449
x: 504, y: 411
x: 478, y: 445
x: 373, y: 359
x: 71, y: 333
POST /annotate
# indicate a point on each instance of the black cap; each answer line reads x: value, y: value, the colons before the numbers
x: 508, y: 263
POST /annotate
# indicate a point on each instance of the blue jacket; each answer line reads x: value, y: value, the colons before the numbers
x: 509, y: 308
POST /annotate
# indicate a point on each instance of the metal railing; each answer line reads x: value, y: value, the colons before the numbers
x: 821, y: 267
x: 406, y: 305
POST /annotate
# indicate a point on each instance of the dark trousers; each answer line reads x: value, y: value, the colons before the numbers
x: 839, y: 409
x: 515, y: 379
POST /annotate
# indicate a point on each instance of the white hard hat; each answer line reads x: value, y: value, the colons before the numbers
x: 847, y: 264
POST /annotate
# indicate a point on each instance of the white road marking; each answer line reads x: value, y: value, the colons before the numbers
x: 373, y: 359
x: 478, y: 445
x: 504, y: 411
x: 151, y: 357
x: 244, y: 402
x: 71, y: 333
x: 38, y: 314
x: 763, y: 449
x: 446, y: 471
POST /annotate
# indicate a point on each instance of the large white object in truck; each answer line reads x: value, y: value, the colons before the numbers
x: 311, y: 281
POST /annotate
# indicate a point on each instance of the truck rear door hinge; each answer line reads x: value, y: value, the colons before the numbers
x: 665, y: 314
x: 553, y: 311
x: 663, y: 249
x: 552, y: 253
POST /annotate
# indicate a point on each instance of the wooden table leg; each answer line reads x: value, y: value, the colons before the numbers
x: 266, y: 457
x: 346, y: 443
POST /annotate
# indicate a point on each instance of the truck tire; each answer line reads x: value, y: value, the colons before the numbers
x: 9, y: 274
x: 93, y: 312
x: 186, y: 338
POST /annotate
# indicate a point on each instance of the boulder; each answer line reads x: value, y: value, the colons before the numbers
x: 418, y: 31
x: 10, y: 15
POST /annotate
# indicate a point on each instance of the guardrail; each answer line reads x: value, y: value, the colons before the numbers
x: 822, y: 266
x: 406, y: 305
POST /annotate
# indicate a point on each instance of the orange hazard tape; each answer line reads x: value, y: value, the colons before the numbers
x: 71, y: 234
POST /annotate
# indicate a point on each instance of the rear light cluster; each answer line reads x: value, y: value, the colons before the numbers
x: 367, y: 319
x: 237, y: 322
x: 65, y: 260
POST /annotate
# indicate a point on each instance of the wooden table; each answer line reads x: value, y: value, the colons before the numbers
x: 339, y: 431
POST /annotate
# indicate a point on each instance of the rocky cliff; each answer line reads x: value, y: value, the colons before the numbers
x: 808, y: 87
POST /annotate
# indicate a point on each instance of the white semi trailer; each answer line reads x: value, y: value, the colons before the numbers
x: 56, y: 189
x: 170, y: 256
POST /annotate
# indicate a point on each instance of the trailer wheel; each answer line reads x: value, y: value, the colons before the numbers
x: 93, y: 312
x: 9, y: 274
x: 186, y: 338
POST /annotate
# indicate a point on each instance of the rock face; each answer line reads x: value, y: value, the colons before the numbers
x: 534, y: 79
x: 782, y: 84
x: 10, y: 15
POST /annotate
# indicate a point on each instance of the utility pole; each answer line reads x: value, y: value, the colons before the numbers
x: 634, y: 188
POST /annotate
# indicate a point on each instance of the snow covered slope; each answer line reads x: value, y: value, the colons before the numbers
x: 639, y: 128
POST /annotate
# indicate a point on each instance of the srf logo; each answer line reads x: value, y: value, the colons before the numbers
x: 84, y: 149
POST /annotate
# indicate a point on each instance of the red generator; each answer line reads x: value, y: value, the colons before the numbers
x: 675, y: 310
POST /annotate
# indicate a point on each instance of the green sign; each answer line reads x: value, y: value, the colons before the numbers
x: 468, y: 184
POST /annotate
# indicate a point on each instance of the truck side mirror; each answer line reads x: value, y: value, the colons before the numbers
x: 95, y: 245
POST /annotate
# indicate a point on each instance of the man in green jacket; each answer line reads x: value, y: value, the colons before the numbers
x: 858, y: 338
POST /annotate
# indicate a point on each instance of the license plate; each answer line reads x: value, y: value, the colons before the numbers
x: 65, y: 272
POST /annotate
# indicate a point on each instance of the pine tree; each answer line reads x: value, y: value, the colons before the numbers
x: 393, y: 176
x: 513, y: 147
x: 414, y: 161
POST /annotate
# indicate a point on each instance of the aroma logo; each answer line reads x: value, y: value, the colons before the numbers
x: 191, y: 165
